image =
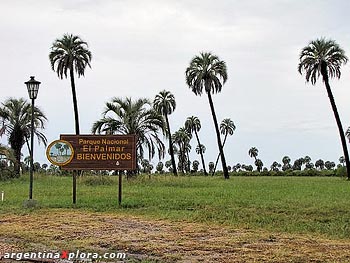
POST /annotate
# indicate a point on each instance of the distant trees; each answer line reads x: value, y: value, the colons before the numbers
x: 325, y: 57
x: 227, y: 127
x: 195, y: 166
x: 182, y: 139
x: 286, y: 163
x: 275, y: 166
x: 319, y: 164
x: 253, y: 152
x: 160, y: 167
x: 165, y: 104
x: 208, y: 72
x: 193, y: 125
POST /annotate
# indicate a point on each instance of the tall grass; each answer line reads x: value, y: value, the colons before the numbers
x: 309, y: 205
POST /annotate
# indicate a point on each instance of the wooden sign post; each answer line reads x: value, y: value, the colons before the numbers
x: 94, y: 152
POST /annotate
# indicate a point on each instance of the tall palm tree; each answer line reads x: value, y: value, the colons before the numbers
x: 208, y: 72
x: 16, y: 124
x: 70, y: 53
x: 165, y: 104
x: 325, y: 57
x: 125, y: 116
x: 193, y: 124
x: 348, y: 133
x: 227, y: 127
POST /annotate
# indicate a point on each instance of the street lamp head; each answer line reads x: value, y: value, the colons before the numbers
x: 33, y: 87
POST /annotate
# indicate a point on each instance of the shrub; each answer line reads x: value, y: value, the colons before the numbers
x: 341, y: 171
x: 96, y: 180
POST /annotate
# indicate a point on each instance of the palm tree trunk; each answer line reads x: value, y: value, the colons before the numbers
x: 75, y: 103
x: 182, y: 157
x: 17, y: 163
x: 200, y: 151
x: 171, y: 146
x: 188, y: 167
x: 77, y: 130
x: 217, y: 159
x: 337, y: 118
x: 223, y: 160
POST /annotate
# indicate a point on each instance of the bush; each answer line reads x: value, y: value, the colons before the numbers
x: 6, y: 174
x: 96, y: 180
x: 341, y: 171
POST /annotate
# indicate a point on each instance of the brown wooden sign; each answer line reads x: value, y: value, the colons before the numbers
x: 101, y: 152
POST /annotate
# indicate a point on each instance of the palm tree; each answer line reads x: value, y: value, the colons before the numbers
x: 208, y: 72
x: 286, y: 163
x: 66, y: 148
x: 211, y: 167
x: 259, y: 164
x: 348, y: 133
x: 200, y: 148
x: 168, y: 165
x: 58, y: 146
x: 319, y: 164
x: 298, y: 163
x: 325, y: 57
x: 182, y: 139
x: 274, y: 166
x: 195, y: 165
x: 165, y: 104
x: 70, y: 53
x: 329, y: 165
x: 193, y: 124
x: 16, y: 120
x: 125, y: 116
x: 253, y: 152
x: 160, y: 167
x: 227, y: 127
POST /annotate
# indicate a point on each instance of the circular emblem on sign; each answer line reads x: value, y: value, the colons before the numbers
x: 60, y: 152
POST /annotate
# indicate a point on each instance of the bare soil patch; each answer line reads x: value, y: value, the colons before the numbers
x: 160, y: 240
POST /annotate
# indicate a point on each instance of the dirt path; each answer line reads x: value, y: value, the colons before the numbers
x: 159, y: 240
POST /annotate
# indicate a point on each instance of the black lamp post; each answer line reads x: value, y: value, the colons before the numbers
x: 33, y: 88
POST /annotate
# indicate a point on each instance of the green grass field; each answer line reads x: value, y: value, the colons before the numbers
x: 303, y: 205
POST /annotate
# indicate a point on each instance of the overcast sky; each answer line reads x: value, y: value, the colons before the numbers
x: 142, y: 47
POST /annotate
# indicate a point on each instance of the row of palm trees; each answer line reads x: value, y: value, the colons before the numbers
x: 70, y: 55
x: 149, y: 121
x: 208, y: 73
x: 205, y: 72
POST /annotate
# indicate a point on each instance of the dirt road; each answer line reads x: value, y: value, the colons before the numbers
x: 160, y: 240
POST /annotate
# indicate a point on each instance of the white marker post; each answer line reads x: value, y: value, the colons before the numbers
x: 2, y: 196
